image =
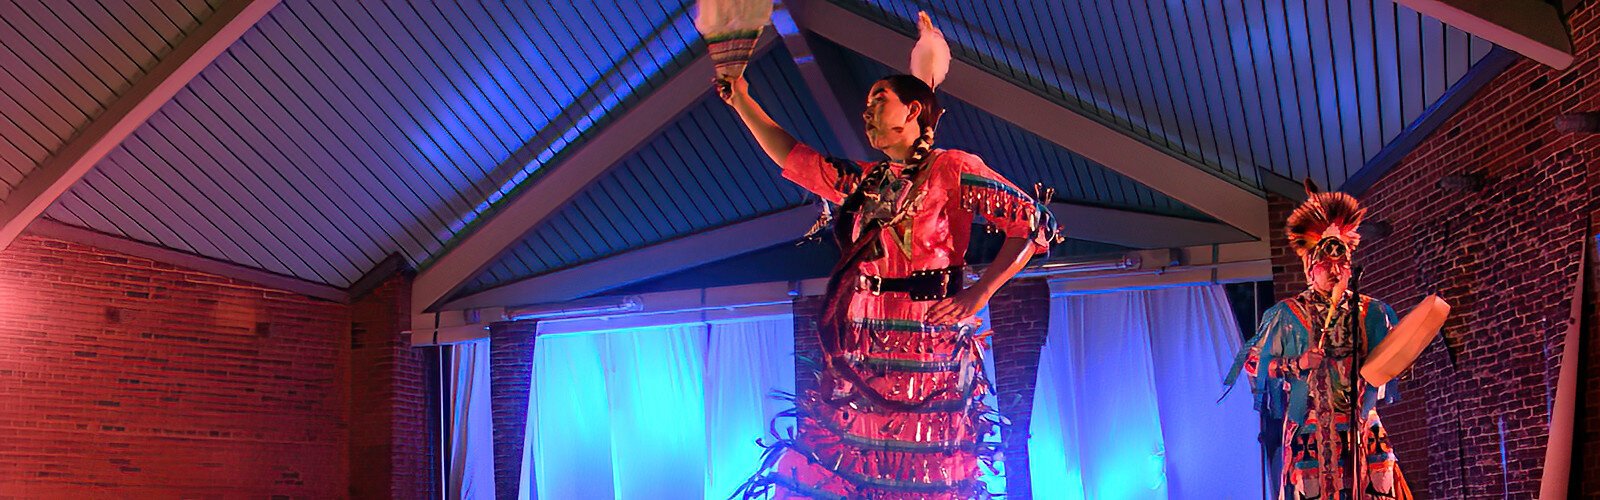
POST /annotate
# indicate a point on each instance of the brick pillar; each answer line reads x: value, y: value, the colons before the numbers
x: 510, y: 385
x: 807, y: 310
x: 1019, y: 315
x: 392, y: 442
x: 1288, y: 274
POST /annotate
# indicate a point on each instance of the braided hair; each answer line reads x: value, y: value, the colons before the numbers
x: 912, y: 89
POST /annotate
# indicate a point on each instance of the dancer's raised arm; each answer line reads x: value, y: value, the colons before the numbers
x: 773, y: 139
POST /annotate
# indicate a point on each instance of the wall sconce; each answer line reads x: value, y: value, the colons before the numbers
x: 1579, y: 123
x: 1472, y: 182
x: 1374, y: 230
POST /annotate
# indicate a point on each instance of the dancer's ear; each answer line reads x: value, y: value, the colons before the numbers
x: 913, y: 111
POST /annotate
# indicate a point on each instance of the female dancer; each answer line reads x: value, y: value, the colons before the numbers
x: 896, y: 413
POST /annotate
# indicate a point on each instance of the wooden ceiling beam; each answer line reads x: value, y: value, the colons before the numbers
x: 647, y: 262
x: 1140, y: 230
x: 823, y: 79
x: 1533, y: 28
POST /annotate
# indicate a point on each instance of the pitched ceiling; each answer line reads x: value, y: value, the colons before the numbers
x: 333, y: 134
x: 703, y: 171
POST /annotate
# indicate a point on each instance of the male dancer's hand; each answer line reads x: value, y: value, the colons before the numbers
x: 1312, y: 358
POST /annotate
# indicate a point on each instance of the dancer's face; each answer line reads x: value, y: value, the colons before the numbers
x: 1328, y: 264
x: 891, y: 124
x: 1324, y: 274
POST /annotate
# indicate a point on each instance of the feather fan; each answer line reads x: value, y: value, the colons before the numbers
x: 731, y: 28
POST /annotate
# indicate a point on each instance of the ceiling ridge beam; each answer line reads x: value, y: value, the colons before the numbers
x: 47, y: 228
x: 821, y: 76
x: 549, y: 190
x: 1062, y: 125
x: 58, y: 173
x: 650, y: 261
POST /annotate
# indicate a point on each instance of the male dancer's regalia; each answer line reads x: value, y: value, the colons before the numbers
x: 1302, y: 365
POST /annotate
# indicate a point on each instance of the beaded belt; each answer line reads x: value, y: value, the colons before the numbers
x: 932, y: 284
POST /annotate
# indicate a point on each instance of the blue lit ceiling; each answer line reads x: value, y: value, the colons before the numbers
x: 333, y: 134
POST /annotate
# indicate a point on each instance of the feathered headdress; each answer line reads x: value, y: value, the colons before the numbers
x: 930, y: 59
x: 731, y: 28
x: 1324, y: 214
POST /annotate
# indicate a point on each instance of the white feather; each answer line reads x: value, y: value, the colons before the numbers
x: 930, y: 59
x: 722, y: 17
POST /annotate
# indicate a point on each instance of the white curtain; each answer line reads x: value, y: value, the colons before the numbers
x: 746, y: 361
x: 1212, y: 450
x: 570, y: 418
x: 471, y: 437
x: 655, y: 379
x: 1125, y: 403
x: 662, y: 413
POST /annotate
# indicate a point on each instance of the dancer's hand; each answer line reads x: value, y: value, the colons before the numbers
x: 731, y: 87
x: 962, y: 305
x: 1312, y: 358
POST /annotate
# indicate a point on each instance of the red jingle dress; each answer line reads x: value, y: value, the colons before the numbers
x: 897, y: 410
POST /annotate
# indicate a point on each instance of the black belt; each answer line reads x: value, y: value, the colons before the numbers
x: 932, y: 284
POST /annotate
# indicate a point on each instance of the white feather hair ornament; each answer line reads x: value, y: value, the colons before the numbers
x: 731, y: 28
x: 930, y: 59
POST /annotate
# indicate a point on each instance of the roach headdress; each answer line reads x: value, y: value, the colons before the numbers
x: 1324, y: 215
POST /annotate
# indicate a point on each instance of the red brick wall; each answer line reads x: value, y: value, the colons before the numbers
x: 130, y: 378
x: 1504, y: 257
x: 391, y: 440
x: 135, y: 378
